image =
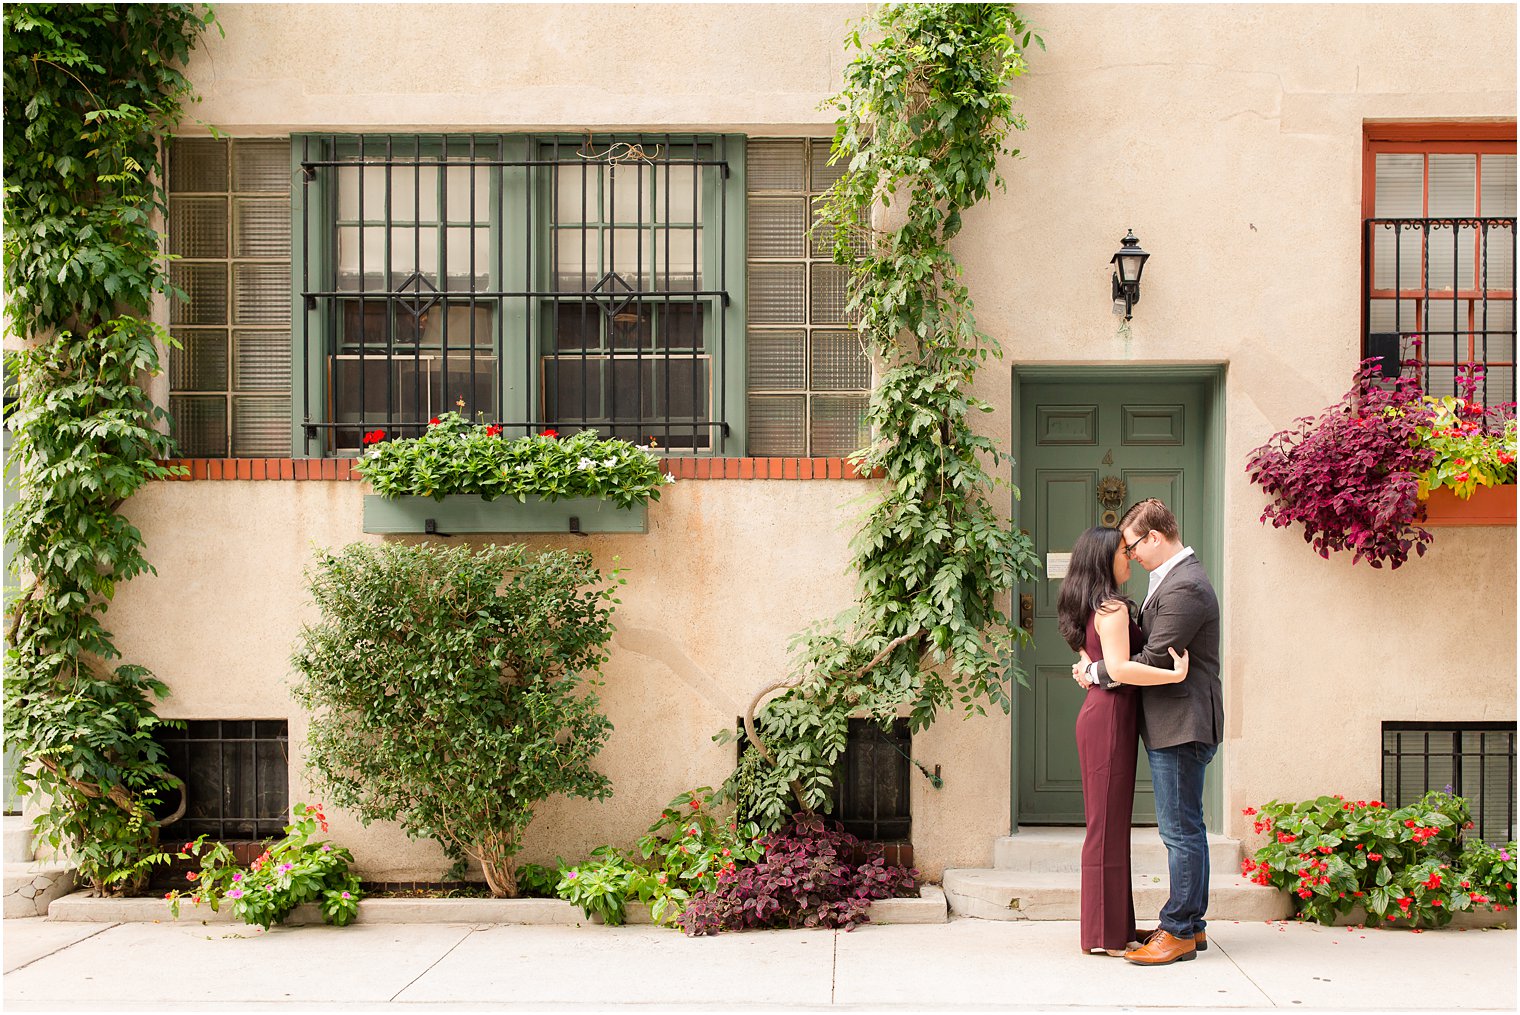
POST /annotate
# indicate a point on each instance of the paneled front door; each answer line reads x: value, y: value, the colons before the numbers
x: 1074, y: 440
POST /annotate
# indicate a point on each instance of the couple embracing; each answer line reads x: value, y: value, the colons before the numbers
x: 1158, y: 679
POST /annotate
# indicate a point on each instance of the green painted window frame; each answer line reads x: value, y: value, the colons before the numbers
x: 723, y: 257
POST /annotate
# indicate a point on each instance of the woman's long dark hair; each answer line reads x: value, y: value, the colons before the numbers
x: 1089, y: 583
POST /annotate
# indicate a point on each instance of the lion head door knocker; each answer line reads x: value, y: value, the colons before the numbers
x: 1111, y: 493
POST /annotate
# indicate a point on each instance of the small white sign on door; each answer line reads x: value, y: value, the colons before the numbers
x: 1056, y: 565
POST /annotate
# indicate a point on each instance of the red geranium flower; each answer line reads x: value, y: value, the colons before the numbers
x: 433, y: 421
x: 551, y: 433
x: 493, y: 430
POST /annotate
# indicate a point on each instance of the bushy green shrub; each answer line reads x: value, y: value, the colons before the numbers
x: 1410, y: 863
x: 448, y: 689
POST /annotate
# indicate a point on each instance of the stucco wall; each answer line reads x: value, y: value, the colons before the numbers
x: 1237, y: 161
x: 1228, y: 138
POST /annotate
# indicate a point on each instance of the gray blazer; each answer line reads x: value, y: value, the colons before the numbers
x: 1183, y: 614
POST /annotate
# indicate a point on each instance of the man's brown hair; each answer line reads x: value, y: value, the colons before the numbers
x: 1150, y: 515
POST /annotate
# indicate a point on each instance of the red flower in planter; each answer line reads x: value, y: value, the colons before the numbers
x: 551, y: 433
x: 433, y: 421
x: 493, y: 430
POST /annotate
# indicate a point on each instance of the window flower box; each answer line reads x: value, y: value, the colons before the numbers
x: 463, y: 477
x: 463, y: 514
x: 1488, y: 505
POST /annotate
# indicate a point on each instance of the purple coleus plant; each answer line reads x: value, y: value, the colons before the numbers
x: 812, y: 874
x: 1350, y: 475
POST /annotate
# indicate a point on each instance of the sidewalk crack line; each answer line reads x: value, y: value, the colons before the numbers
x: 834, y: 972
x: 61, y: 948
x: 432, y: 965
x: 1265, y: 996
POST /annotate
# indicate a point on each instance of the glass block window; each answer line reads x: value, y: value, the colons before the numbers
x: 1473, y: 760
x: 229, y: 231
x: 236, y: 775
x: 808, y: 376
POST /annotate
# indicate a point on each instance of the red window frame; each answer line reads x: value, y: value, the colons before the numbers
x: 1467, y: 138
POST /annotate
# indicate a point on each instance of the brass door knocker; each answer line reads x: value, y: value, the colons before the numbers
x: 1111, y: 493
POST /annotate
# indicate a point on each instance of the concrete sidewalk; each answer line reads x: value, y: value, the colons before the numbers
x: 963, y: 964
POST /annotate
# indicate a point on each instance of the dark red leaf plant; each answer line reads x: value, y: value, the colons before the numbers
x: 1351, y: 474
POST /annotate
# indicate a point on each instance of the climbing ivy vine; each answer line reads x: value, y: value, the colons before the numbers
x: 90, y: 89
x: 923, y: 119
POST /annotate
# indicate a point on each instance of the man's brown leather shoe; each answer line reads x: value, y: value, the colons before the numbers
x: 1200, y: 939
x: 1163, y: 949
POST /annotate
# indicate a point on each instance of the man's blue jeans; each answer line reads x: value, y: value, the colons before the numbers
x: 1177, y: 774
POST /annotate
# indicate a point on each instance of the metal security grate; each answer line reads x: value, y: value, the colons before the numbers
x: 236, y: 775
x: 1440, y: 297
x: 529, y: 282
x: 871, y: 784
x: 1473, y: 760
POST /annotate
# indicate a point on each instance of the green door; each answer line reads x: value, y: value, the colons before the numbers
x: 1076, y: 438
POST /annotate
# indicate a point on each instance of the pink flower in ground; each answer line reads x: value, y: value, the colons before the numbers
x: 238, y: 876
x: 236, y: 893
x: 347, y: 896
x: 285, y: 867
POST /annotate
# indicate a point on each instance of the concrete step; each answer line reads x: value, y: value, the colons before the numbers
x: 18, y: 839
x: 30, y: 888
x: 1060, y: 850
x: 1056, y: 895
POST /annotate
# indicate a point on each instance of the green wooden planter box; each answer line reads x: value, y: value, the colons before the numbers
x: 463, y: 514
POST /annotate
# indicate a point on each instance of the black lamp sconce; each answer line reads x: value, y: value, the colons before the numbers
x: 1130, y: 262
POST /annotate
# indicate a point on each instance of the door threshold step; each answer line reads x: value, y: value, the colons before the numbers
x: 1059, y: 849
x: 993, y: 894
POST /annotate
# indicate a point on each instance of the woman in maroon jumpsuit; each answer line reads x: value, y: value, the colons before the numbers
x: 1094, y: 615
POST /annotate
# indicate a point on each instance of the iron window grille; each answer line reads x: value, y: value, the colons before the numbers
x: 236, y: 775
x: 871, y: 783
x: 871, y: 798
x: 1475, y: 760
x: 527, y: 282
x: 1440, y: 299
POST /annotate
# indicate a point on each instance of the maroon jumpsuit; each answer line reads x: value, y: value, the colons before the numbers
x: 1107, y: 746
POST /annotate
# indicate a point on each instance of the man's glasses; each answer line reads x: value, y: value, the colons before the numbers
x: 1129, y: 548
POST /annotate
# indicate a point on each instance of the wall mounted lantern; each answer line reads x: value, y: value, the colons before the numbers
x: 1130, y: 260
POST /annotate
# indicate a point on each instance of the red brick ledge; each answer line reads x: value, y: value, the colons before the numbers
x: 342, y: 469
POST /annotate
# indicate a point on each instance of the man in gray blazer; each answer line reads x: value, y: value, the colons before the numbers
x: 1182, y: 723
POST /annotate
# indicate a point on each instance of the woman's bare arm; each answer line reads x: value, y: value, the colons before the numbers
x: 1113, y: 634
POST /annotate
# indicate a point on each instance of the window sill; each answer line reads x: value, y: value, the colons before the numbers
x: 341, y: 469
x: 1489, y: 505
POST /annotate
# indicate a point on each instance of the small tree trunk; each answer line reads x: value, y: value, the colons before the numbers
x: 496, y: 852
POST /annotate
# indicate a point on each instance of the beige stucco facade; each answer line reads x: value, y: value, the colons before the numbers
x: 1228, y: 137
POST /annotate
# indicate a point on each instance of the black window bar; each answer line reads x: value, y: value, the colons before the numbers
x: 531, y: 283
x: 871, y: 782
x: 236, y: 775
x: 1439, y: 299
x: 1475, y: 760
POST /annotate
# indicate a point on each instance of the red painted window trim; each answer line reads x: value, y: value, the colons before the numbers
x: 1441, y: 138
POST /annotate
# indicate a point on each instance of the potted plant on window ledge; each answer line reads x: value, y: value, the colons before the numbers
x: 1471, y: 480
x: 463, y: 477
